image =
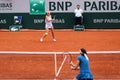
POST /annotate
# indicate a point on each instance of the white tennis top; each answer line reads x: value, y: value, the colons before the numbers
x: 48, y: 23
x: 78, y: 12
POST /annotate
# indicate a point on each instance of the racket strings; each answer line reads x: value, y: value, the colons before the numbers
x: 68, y: 58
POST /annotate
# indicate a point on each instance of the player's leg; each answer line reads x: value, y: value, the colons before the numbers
x: 44, y: 35
x: 53, y: 36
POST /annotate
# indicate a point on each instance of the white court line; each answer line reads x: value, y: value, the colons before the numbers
x: 89, y: 52
x: 55, y: 61
x: 61, y: 66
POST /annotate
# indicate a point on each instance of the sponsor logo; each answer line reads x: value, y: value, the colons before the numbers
x: 36, y: 21
x: 100, y: 5
x: 17, y: 19
x: 2, y: 21
x: 60, y: 6
x: 6, y: 5
x: 99, y: 21
x: 37, y: 6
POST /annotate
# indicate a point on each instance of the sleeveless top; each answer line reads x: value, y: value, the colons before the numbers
x: 48, y: 24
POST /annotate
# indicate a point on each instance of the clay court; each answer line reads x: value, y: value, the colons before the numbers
x: 26, y: 66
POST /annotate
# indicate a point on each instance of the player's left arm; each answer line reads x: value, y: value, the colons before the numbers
x: 52, y: 19
x: 75, y: 66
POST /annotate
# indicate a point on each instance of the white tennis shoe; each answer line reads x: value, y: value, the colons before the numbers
x: 54, y: 40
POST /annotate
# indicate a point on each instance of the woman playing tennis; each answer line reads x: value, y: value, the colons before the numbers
x: 83, y: 64
x: 48, y: 26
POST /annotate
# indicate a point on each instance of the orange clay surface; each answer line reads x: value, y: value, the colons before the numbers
x: 40, y: 67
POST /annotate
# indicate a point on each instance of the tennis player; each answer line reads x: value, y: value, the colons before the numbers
x: 48, y: 26
x: 82, y: 64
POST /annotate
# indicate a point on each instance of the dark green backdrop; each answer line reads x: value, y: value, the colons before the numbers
x: 65, y: 20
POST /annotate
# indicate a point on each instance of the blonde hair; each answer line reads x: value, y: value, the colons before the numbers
x: 48, y: 12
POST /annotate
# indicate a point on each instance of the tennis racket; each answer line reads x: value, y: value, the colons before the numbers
x: 54, y: 17
x: 68, y: 57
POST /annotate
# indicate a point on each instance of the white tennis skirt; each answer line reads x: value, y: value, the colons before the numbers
x: 49, y: 25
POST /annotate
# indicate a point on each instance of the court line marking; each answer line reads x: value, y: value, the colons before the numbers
x: 28, y: 52
x: 58, y: 72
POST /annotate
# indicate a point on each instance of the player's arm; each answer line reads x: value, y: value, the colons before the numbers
x: 47, y: 18
x: 52, y: 19
x: 75, y: 66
